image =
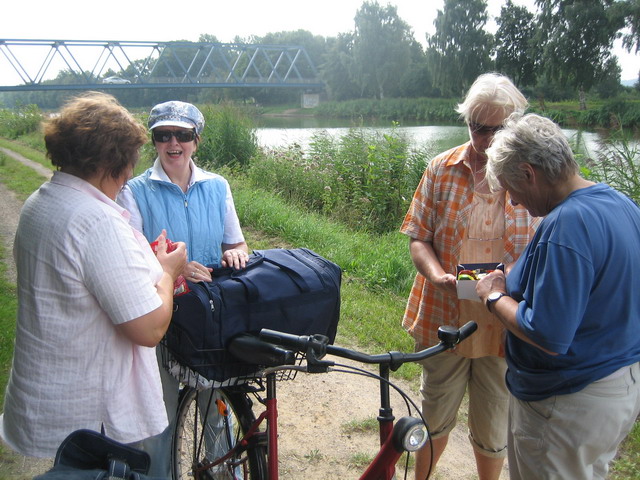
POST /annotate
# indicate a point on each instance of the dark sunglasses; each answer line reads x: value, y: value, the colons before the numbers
x: 183, y: 136
x: 483, y: 129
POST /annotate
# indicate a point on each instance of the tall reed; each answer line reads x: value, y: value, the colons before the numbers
x: 363, y: 179
x: 616, y: 163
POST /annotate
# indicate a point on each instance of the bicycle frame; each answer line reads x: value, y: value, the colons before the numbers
x: 383, y: 465
x: 271, y: 404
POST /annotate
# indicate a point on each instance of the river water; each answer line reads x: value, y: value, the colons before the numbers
x: 280, y: 132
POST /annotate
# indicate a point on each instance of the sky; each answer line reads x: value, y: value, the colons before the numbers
x: 162, y: 20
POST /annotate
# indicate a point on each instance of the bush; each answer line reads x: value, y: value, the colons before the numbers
x: 617, y: 164
x: 228, y: 138
x: 292, y: 176
x: 20, y: 121
x: 395, y: 109
x: 612, y: 114
x: 364, y: 179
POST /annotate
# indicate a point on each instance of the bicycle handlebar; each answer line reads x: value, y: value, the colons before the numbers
x: 316, y: 346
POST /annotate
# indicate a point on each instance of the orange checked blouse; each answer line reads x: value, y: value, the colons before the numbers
x: 439, y: 214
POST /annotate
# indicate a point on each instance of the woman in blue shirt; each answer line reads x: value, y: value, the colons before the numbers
x: 571, y: 306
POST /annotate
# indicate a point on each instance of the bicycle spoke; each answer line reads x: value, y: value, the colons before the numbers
x: 205, y: 449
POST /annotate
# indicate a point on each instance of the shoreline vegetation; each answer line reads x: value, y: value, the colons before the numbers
x: 620, y: 112
x: 343, y: 199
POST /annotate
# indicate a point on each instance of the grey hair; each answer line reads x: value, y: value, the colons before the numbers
x: 491, y: 93
x: 529, y: 139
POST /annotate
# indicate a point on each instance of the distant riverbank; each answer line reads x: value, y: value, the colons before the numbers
x: 620, y: 112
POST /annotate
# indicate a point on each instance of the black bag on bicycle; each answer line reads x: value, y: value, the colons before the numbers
x: 89, y: 455
x: 295, y: 291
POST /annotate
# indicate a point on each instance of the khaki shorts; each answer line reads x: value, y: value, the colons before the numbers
x: 575, y: 435
x: 445, y: 379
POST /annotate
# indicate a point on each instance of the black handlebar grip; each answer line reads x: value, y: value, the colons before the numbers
x: 467, y: 329
x: 451, y: 336
x: 296, y: 342
x: 251, y: 349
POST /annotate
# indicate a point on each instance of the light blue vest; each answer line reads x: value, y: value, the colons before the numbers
x: 196, y: 217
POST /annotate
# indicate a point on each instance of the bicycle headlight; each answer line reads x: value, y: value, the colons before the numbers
x: 409, y: 434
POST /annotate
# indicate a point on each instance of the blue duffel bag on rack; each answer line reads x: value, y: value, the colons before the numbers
x: 291, y: 290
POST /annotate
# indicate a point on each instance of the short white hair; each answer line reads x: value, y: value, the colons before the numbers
x: 491, y: 93
x: 531, y: 139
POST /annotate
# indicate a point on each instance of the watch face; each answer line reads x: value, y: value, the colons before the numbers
x: 495, y: 295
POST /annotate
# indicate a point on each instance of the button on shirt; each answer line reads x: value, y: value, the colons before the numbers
x: 484, y: 244
x: 81, y: 270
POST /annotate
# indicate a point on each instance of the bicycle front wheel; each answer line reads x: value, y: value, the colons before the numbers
x: 209, y: 425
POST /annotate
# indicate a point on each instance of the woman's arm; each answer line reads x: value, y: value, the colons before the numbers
x: 505, y: 308
x: 427, y: 263
x: 147, y: 330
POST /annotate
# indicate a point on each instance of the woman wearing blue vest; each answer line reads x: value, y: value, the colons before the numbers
x: 193, y: 206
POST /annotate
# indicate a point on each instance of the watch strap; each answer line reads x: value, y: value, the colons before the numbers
x: 493, y: 298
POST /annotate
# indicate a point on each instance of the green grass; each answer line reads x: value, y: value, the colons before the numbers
x: 18, y: 177
x: 27, y: 151
x: 368, y: 425
x: 627, y: 463
x: 314, y: 456
x: 8, y: 308
x: 360, y: 460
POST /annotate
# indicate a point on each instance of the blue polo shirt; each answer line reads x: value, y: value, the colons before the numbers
x: 578, y: 284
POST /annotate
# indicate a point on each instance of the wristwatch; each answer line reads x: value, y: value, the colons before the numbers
x: 493, y: 298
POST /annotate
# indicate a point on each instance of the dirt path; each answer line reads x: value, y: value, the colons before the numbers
x: 313, y: 412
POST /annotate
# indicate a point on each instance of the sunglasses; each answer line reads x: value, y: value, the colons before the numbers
x: 183, y: 136
x: 483, y: 129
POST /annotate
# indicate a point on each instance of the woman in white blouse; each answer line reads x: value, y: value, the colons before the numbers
x: 93, y: 299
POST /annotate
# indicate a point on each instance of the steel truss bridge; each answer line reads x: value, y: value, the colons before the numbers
x: 80, y: 65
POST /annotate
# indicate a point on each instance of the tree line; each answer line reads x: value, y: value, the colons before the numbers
x: 562, y: 50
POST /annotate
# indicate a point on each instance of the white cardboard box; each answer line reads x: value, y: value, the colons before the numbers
x: 467, y: 288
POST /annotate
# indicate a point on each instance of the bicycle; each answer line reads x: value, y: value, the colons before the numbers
x: 236, y: 447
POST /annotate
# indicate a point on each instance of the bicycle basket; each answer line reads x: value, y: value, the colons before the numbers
x: 209, y: 368
x: 202, y: 368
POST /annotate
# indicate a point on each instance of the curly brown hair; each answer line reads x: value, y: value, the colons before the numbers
x: 94, y: 134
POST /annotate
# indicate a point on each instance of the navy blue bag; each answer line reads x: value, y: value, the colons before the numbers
x: 292, y: 290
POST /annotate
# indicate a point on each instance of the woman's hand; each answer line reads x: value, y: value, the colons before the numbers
x: 446, y: 284
x: 196, y: 272
x: 172, y: 262
x: 235, y: 257
x: 426, y: 262
x: 493, y: 282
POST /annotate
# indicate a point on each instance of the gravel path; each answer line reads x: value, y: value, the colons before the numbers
x: 9, y: 214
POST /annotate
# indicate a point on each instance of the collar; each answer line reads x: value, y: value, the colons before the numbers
x: 158, y: 173
x: 77, y: 183
x: 462, y: 157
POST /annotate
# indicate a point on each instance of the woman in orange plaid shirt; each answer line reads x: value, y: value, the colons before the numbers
x: 454, y: 219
